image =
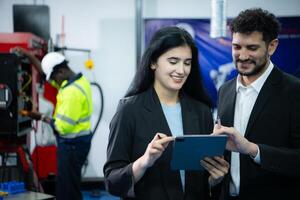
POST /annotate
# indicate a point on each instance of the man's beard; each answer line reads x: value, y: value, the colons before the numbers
x: 256, y: 70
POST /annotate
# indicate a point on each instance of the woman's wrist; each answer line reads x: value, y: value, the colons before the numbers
x: 139, y: 167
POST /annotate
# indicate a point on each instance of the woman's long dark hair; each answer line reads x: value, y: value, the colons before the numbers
x: 165, y: 39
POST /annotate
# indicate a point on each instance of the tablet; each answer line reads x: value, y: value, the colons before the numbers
x: 188, y: 150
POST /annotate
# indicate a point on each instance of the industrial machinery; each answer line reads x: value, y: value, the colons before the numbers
x: 18, y: 80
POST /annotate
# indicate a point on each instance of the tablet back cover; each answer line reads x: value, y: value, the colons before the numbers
x: 188, y: 150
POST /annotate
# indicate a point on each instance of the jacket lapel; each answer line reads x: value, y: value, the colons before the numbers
x: 266, y: 92
x: 226, y: 107
x: 157, y: 118
x: 154, y: 112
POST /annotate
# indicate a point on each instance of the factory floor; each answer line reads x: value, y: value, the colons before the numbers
x: 93, y: 189
x: 98, y: 195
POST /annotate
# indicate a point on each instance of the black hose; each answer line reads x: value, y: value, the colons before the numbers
x: 84, y: 167
x: 101, y: 106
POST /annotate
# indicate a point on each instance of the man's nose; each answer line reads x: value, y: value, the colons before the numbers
x: 243, y: 55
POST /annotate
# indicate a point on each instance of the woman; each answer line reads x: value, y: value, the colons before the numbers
x: 166, y: 99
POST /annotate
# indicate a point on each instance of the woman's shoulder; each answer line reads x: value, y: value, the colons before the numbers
x: 196, y: 104
x: 130, y: 103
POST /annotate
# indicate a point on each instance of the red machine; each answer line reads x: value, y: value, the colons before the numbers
x: 30, y: 42
x: 25, y: 40
x: 44, y: 158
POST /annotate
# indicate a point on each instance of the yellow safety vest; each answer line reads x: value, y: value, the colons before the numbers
x: 74, y: 109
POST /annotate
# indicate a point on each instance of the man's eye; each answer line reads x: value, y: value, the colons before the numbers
x: 236, y: 47
x: 253, y: 48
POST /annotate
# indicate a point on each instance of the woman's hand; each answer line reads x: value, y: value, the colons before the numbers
x: 217, y: 167
x: 154, y: 150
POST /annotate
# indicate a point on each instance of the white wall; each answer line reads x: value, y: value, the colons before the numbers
x: 201, y: 8
x: 107, y: 27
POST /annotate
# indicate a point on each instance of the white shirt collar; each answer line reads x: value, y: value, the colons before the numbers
x: 258, y: 83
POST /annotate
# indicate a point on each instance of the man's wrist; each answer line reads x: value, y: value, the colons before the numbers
x: 46, y: 119
x: 43, y: 116
x: 253, y: 150
x: 212, y: 182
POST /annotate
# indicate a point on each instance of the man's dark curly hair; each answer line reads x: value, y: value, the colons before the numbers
x: 256, y: 19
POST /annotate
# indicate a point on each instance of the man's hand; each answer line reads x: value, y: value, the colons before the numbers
x: 31, y: 114
x: 28, y: 54
x: 20, y: 51
x: 236, y: 142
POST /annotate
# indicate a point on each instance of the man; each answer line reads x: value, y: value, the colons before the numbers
x: 71, y: 122
x: 260, y: 112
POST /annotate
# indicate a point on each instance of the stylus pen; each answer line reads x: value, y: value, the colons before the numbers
x: 218, y: 121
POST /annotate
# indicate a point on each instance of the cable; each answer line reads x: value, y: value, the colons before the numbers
x: 101, y: 106
x: 27, y: 83
x: 84, y: 167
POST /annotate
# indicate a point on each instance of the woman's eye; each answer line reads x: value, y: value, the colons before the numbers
x: 173, y: 61
x: 188, y: 63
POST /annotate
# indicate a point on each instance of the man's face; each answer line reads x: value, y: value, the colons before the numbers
x: 250, y: 53
x: 57, y: 76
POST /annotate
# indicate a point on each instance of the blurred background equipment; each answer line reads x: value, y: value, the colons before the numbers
x: 15, y: 96
x: 218, y: 20
x: 18, y: 94
x: 18, y: 82
x: 22, y: 90
x: 33, y: 19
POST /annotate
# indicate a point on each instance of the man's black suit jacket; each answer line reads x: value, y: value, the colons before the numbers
x: 134, y: 125
x: 274, y: 125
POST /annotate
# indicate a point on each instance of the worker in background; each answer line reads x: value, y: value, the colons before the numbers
x: 71, y: 123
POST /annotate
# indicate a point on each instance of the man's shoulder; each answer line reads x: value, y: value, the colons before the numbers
x: 228, y: 84
x: 291, y: 79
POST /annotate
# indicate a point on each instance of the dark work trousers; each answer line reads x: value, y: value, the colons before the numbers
x: 71, y: 155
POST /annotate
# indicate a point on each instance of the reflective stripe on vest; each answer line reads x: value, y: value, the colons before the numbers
x: 74, y: 135
x: 83, y: 92
x: 71, y: 121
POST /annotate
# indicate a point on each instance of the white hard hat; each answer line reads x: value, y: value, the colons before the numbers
x: 49, y: 61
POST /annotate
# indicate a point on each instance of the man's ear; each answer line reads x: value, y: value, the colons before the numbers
x: 272, y: 46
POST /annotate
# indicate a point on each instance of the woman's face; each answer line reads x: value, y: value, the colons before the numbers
x: 172, y: 69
